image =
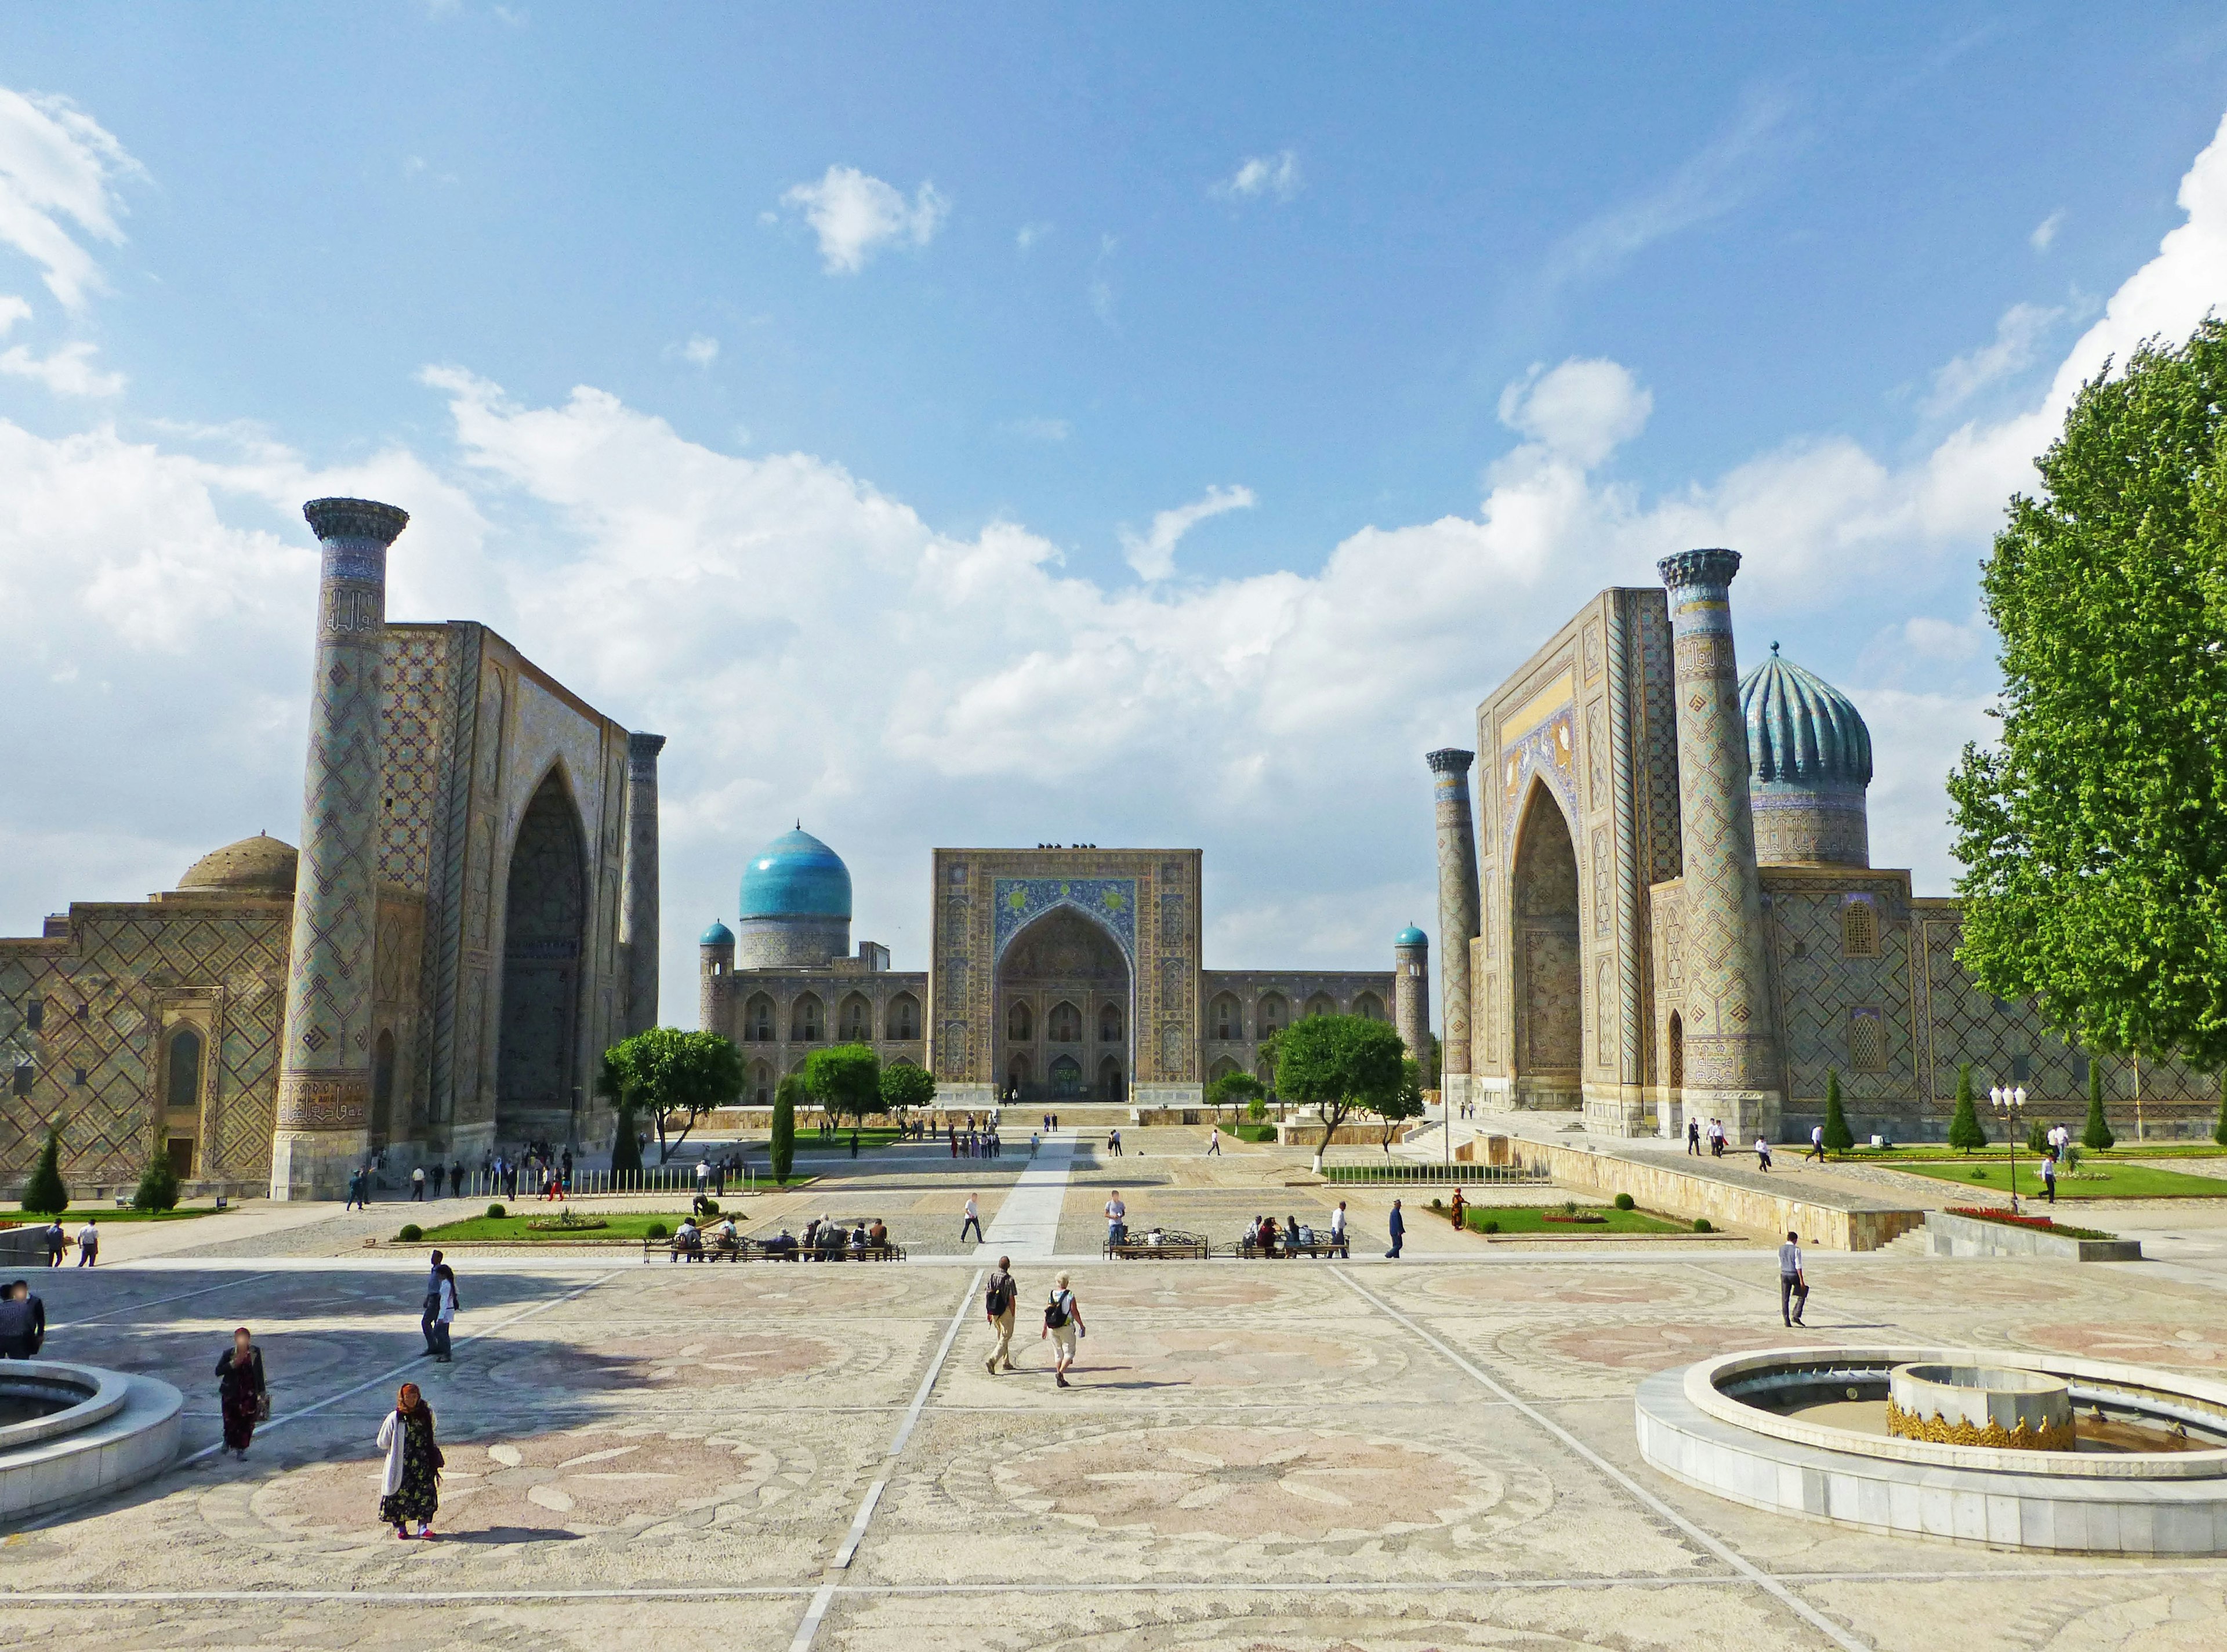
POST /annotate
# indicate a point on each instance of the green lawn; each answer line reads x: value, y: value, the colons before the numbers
x: 1254, y: 1132
x: 1532, y: 1219
x: 619, y: 1224
x: 1927, y: 1153
x: 73, y: 1219
x: 2105, y: 1179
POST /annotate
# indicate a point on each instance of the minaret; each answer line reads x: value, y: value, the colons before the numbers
x: 1411, y: 994
x: 638, y: 896
x: 714, y: 970
x: 1730, y: 1053
x: 1457, y: 915
x: 322, y: 1128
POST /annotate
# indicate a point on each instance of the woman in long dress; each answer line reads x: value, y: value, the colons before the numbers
x: 240, y: 1388
x: 411, y: 1488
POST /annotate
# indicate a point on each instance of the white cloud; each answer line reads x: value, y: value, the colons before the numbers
x: 701, y: 350
x: 2019, y: 332
x: 855, y: 215
x: 1276, y: 175
x: 1583, y: 410
x: 57, y: 163
x: 2045, y: 231
x: 68, y: 372
x: 1153, y: 554
x: 1038, y: 429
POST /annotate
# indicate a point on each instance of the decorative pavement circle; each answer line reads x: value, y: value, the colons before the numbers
x: 2138, y: 1344
x: 1284, y: 1360
x: 692, y: 1359
x: 1238, y: 1481
x: 805, y: 1287
x: 1219, y: 1290
x: 1571, y: 1287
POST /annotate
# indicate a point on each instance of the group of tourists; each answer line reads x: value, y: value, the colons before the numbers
x: 1295, y: 1236
x: 58, y: 1243
x: 972, y: 1143
x: 1062, y: 1321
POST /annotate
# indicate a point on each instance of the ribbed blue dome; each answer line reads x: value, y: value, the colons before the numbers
x: 1800, y: 728
x: 796, y: 876
x: 718, y: 936
x: 1410, y: 936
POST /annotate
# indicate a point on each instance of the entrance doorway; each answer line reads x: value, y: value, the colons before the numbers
x: 1549, y: 1001
x: 545, y: 915
x: 1062, y: 988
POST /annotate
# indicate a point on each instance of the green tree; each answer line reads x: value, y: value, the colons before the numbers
x: 781, y: 1153
x: 2097, y: 1134
x: 1233, y: 1091
x: 2095, y: 877
x: 626, y: 1150
x: 845, y: 1079
x: 1340, y: 1064
x: 1838, y: 1137
x: 1407, y: 1103
x: 158, y: 1183
x: 905, y: 1086
x: 1965, y: 1133
x: 676, y: 1077
x: 44, y: 1193
x: 2219, y: 1130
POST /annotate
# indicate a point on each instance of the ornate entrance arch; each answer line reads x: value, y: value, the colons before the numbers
x: 545, y: 917
x: 1549, y: 990
x: 1056, y: 978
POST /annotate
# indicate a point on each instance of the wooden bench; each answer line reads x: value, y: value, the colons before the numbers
x: 707, y: 1249
x: 887, y: 1251
x: 1171, y: 1246
x: 1320, y: 1245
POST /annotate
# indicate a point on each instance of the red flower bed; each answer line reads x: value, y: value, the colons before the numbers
x: 1979, y: 1213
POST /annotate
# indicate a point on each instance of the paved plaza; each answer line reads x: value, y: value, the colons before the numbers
x: 1259, y: 1457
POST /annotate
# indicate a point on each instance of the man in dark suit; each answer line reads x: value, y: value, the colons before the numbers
x: 1399, y: 1226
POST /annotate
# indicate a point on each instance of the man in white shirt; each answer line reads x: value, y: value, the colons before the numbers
x: 1816, y: 1144
x: 88, y: 1244
x: 1793, y: 1288
x: 1337, y: 1229
x: 973, y: 1219
x: 1117, y: 1215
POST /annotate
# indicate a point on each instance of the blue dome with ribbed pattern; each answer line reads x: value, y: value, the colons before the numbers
x: 796, y: 876
x: 1800, y: 730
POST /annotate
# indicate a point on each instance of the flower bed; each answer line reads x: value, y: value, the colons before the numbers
x: 2043, y: 1224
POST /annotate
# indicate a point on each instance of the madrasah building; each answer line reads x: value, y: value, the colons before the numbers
x: 1664, y: 907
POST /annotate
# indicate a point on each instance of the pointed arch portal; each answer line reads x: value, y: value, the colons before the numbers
x: 1548, y: 991
x: 545, y: 915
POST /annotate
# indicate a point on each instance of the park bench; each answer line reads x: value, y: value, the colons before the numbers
x: 887, y: 1251
x: 1320, y: 1245
x: 706, y: 1249
x: 1170, y: 1246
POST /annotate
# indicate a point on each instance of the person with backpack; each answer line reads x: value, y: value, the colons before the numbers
x: 1063, y: 1325
x: 999, y: 1302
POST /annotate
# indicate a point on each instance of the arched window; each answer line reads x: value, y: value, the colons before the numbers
x: 1066, y: 1077
x: 1018, y: 1074
x: 183, y: 1088
x: 857, y: 1019
x: 804, y: 1020
x: 1109, y: 1080
x: 1020, y: 1022
x: 1860, y: 930
x: 1109, y: 1024
x: 1221, y: 1069
x: 382, y: 1084
x: 904, y: 1019
x: 1064, y: 1025
x: 1321, y: 1003
x: 1866, y: 1041
x: 761, y: 1082
x: 758, y: 1020
x: 1274, y: 1015
x: 1368, y: 1007
x: 1227, y: 1016
x: 1677, y: 1052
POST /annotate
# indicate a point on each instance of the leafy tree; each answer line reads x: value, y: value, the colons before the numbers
x: 673, y: 1077
x: 1838, y: 1137
x: 845, y: 1079
x: 1965, y: 1133
x: 2219, y: 1130
x: 1407, y: 1103
x: 1233, y: 1091
x: 2094, y: 875
x: 2097, y: 1133
x: 158, y: 1183
x: 782, y: 1153
x: 626, y: 1150
x: 905, y: 1086
x: 1341, y: 1064
x: 44, y: 1193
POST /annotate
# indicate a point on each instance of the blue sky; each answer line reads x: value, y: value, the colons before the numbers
x: 968, y: 425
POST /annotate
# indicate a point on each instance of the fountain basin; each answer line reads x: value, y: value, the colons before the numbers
x: 82, y: 1433
x: 1981, y: 1404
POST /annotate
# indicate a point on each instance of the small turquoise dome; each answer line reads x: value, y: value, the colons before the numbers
x: 718, y: 936
x: 796, y: 876
x: 1800, y: 728
x: 1410, y: 936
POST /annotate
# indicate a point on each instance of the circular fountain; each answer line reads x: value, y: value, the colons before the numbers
x: 68, y: 1432
x: 2009, y: 1449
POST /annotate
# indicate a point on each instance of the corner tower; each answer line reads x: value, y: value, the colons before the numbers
x: 1458, y: 914
x: 715, y: 970
x: 1729, y: 1055
x: 638, y: 899
x: 323, y: 1126
x: 1411, y: 994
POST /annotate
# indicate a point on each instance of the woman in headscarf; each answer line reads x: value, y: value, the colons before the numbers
x: 412, y: 1484
x: 239, y: 1387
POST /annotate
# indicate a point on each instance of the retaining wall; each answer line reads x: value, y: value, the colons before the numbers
x: 1853, y: 1227
x: 1969, y: 1236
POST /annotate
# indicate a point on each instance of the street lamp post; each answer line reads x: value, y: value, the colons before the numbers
x: 2010, y: 1107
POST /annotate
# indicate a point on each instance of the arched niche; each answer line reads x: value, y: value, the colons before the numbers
x: 544, y: 922
x: 1548, y: 986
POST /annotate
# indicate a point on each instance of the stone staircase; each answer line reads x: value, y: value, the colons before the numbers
x: 1916, y: 1242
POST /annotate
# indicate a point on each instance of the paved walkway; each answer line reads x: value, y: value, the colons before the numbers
x: 1026, y: 1226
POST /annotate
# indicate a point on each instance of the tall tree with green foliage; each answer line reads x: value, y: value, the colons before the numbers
x: 1838, y: 1137
x: 1340, y: 1064
x: 2219, y: 1130
x: 906, y: 1086
x: 676, y: 1077
x: 1406, y: 1104
x: 1966, y: 1134
x: 1233, y: 1091
x: 2096, y: 1133
x: 44, y: 1193
x: 2095, y: 877
x: 158, y: 1183
x: 782, y: 1154
x: 845, y: 1079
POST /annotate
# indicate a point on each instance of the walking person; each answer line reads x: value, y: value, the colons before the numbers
x: 1793, y: 1288
x: 418, y: 1185
x: 2049, y: 1176
x: 88, y: 1243
x: 974, y: 1221
x: 23, y: 1321
x: 1693, y: 1137
x: 1761, y: 1153
x: 1214, y: 1140
x: 1816, y: 1144
x: 355, y: 1190
x: 999, y: 1301
x: 1460, y: 1205
x: 456, y: 1179
x: 1117, y: 1217
x: 410, y: 1491
x: 241, y: 1391
x: 445, y: 1315
x: 57, y: 1242
x: 1063, y: 1325
x: 431, y: 1308
x: 1338, y: 1234
x: 1399, y: 1227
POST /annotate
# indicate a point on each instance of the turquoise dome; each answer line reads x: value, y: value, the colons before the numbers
x: 1410, y: 936
x: 1800, y: 730
x: 718, y: 936
x: 796, y: 876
